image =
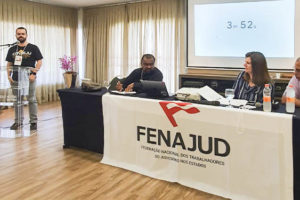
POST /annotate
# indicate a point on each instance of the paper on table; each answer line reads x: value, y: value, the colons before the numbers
x: 209, y: 94
x: 233, y: 102
x: 123, y: 92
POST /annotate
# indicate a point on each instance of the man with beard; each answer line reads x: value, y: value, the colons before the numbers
x: 26, y: 55
x: 147, y: 72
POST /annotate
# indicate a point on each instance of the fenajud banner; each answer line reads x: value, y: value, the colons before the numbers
x: 237, y: 154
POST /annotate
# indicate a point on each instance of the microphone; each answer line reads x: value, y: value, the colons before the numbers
x: 8, y: 45
x: 14, y: 43
x: 275, y: 105
x: 206, y: 102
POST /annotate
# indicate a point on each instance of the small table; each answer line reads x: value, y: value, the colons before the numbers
x: 82, y: 118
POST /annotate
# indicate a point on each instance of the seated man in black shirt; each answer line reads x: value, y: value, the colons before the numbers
x: 147, y: 72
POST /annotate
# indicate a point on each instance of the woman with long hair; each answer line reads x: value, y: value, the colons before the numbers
x: 251, y: 82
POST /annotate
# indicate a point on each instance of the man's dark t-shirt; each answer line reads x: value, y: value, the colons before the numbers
x: 138, y: 74
x: 30, y: 54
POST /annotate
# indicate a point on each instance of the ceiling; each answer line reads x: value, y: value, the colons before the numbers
x: 81, y: 3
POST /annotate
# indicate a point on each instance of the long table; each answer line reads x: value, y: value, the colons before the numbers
x: 83, y: 124
x: 238, y: 154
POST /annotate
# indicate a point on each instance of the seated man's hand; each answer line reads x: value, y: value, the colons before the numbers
x: 129, y: 87
x: 119, y: 86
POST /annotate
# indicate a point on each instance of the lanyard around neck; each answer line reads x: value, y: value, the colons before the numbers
x: 23, y: 49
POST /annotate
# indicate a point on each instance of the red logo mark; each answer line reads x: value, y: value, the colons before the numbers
x: 171, y: 111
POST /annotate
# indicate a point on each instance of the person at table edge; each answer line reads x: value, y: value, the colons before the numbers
x: 295, y: 81
x: 251, y: 82
x: 147, y: 71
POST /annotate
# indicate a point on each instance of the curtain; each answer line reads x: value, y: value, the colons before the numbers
x: 51, y: 28
x: 104, y: 33
x: 118, y: 36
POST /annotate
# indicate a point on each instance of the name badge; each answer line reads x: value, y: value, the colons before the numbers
x: 18, y: 60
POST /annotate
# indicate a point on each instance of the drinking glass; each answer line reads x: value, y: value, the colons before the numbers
x: 229, y: 94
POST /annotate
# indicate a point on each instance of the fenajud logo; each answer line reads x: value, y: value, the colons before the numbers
x: 171, y: 111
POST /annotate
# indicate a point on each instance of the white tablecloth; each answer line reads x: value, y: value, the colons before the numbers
x: 237, y: 154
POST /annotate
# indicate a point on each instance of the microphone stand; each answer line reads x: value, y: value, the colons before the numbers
x: 7, y: 45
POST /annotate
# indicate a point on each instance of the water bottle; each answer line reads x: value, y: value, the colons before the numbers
x: 290, y: 99
x: 267, y: 98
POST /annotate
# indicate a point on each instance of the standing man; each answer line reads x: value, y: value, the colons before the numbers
x: 26, y: 55
x: 147, y: 71
x: 295, y: 81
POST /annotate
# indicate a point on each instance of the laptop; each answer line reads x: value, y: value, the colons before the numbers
x: 154, y: 88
